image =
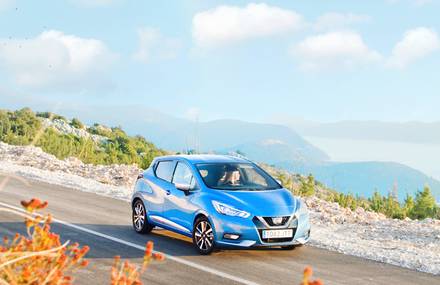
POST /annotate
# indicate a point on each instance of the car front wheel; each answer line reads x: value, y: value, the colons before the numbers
x: 203, y: 236
x: 140, y: 221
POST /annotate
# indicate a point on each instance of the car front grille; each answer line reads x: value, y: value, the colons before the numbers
x: 270, y: 222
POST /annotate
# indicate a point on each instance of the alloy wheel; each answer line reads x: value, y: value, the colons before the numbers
x: 204, y: 236
x: 140, y: 222
x: 139, y: 216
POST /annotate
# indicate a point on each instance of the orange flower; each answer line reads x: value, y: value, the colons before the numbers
x: 129, y: 274
x: 308, y: 272
x: 34, y: 204
x: 158, y: 256
x: 149, y: 248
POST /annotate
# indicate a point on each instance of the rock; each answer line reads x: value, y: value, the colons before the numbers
x: 117, y: 175
x: 65, y: 128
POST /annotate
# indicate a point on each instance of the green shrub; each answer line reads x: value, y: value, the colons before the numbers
x: 76, y: 123
x: 21, y: 128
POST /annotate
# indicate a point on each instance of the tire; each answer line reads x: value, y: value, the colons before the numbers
x: 139, y: 218
x: 289, y: 247
x: 203, y: 236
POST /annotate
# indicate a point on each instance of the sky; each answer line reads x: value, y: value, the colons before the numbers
x: 319, y: 60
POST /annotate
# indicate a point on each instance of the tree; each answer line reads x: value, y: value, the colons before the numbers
x: 377, y: 202
x: 425, y: 205
x: 408, y: 205
x: 307, y: 187
x: 392, y: 207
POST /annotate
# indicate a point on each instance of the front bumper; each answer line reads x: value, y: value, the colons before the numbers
x: 250, y: 231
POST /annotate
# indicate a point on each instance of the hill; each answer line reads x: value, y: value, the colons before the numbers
x: 411, y: 132
x: 265, y: 143
x: 364, y: 178
x: 65, y: 138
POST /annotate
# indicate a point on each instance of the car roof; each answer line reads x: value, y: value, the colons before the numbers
x: 205, y: 158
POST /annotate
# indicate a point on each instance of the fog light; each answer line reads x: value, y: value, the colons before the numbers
x: 231, y: 236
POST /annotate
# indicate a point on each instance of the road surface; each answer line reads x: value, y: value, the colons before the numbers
x: 105, y: 225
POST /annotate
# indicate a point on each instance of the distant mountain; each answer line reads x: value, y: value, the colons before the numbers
x: 364, y: 178
x: 412, y: 132
x: 271, y: 143
x: 264, y: 142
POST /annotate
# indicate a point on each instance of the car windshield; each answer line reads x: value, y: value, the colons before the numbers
x: 236, y: 176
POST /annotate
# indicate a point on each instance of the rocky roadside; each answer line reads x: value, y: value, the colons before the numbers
x: 406, y: 243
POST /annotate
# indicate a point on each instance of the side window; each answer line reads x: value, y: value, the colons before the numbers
x: 183, y: 175
x: 164, y: 170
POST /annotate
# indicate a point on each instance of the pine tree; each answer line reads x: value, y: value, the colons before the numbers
x: 377, y: 202
x: 425, y: 205
x: 307, y: 187
x: 408, y: 205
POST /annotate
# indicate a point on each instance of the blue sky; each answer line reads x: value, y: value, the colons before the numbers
x: 317, y: 60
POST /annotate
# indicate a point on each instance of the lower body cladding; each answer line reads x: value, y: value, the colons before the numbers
x: 261, y: 231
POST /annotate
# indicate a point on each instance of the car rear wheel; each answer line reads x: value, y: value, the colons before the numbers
x: 140, y: 221
x: 203, y: 236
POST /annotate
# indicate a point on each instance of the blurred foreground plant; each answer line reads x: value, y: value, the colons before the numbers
x: 39, y: 257
x: 125, y: 273
x: 308, y: 272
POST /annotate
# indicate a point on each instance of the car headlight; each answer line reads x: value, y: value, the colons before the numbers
x: 229, y: 210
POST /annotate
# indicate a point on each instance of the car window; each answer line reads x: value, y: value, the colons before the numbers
x: 236, y: 176
x: 183, y: 175
x: 165, y: 169
x: 252, y: 175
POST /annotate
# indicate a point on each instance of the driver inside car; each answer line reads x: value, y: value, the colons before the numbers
x: 231, y: 177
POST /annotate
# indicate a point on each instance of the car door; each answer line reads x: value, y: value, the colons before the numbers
x: 163, y: 171
x: 178, y: 207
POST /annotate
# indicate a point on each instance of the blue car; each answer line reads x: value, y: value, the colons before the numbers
x: 218, y: 201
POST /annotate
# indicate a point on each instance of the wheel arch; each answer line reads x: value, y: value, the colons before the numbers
x: 135, y: 199
x: 200, y: 214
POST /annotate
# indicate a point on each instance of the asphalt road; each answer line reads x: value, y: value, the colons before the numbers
x: 105, y: 225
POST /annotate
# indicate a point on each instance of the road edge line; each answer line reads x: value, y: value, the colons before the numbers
x: 142, y: 248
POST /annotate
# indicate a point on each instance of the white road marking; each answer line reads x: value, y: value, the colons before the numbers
x: 20, y: 212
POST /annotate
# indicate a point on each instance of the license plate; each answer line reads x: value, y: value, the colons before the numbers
x: 288, y: 233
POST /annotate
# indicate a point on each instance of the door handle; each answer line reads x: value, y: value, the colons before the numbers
x: 168, y: 191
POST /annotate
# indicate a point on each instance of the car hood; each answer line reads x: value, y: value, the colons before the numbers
x: 279, y: 202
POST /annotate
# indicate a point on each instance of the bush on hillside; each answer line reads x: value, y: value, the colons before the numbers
x: 23, y: 126
x: 421, y: 207
x: 77, y: 123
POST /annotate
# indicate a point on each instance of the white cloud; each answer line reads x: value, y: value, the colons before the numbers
x: 415, y: 44
x: 53, y: 59
x: 153, y: 45
x: 227, y: 24
x: 332, y: 50
x: 332, y: 20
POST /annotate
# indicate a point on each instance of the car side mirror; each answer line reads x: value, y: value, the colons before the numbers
x: 183, y: 187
